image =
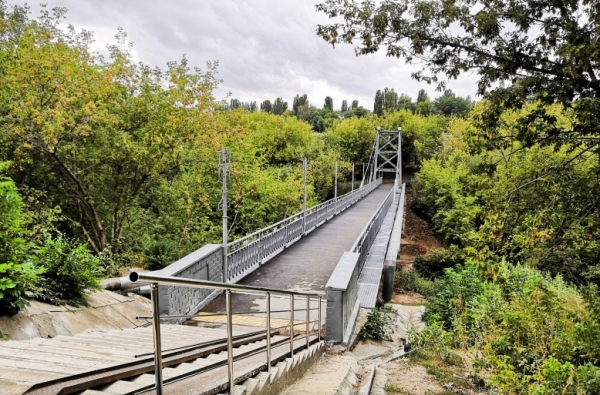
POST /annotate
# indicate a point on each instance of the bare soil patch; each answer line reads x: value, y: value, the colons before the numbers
x: 417, y: 238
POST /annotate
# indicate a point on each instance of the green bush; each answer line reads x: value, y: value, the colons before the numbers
x: 70, y: 271
x: 433, y: 266
x: 17, y: 274
x: 376, y: 328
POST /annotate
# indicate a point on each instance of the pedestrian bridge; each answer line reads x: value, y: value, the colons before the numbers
x: 274, y: 294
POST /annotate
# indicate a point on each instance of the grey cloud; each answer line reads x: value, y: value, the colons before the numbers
x: 265, y: 48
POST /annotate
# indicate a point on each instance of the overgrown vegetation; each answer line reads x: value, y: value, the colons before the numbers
x: 113, y: 163
x: 530, y: 333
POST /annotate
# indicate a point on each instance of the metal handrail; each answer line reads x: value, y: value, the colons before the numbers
x: 361, y: 237
x: 155, y: 280
x: 308, y: 210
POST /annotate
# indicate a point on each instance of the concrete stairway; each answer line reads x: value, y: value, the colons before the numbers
x: 24, y: 364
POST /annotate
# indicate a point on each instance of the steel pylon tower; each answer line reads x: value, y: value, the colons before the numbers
x: 388, y: 157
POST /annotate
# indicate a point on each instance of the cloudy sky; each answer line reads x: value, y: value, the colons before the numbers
x: 265, y: 48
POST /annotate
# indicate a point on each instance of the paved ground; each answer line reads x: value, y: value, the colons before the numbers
x: 307, y: 265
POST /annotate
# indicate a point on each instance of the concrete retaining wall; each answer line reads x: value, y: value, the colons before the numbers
x: 205, y: 263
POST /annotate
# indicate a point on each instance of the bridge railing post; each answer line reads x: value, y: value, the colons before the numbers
x: 229, y: 341
x: 156, y: 335
x: 268, y: 325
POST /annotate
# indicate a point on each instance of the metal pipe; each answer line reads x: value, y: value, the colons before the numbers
x: 400, y: 155
x: 307, y: 320
x: 224, y: 199
x: 304, y: 166
x: 353, y: 177
x: 291, y: 326
x: 335, y: 186
x: 319, y: 335
x: 141, y: 317
x: 229, y: 341
x: 188, y: 282
x: 156, y: 335
x: 268, y: 332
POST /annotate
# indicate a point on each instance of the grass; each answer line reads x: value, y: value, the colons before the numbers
x: 394, y: 389
x: 451, y: 370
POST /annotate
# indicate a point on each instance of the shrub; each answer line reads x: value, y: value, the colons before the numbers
x: 376, y: 328
x: 70, y: 271
x: 433, y: 266
x: 17, y: 274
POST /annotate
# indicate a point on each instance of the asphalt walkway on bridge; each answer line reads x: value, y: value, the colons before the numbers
x: 304, y: 266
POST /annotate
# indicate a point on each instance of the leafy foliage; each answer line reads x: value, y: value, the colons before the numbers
x: 376, y: 328
x: 18, y: 276
x: 69, y: 271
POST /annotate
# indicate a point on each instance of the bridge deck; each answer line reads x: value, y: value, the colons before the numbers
x: 307, y: 264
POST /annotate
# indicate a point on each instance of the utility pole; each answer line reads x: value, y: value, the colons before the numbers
x: 335, y: 187
x: 304, y: 168
x: 352, y: 177
x: 223, y: 169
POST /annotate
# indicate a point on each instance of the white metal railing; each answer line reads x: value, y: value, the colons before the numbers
x: 247, y: 253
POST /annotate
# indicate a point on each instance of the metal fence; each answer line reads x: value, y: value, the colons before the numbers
x: 365, y: 239
x: 246, y: 254
x: 156, y: 280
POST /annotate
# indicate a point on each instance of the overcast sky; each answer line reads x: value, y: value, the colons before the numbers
x: 265, y: 48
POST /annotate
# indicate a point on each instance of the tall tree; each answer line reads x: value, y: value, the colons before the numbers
x: 378, y: 106
x: 449, y: 104
x: 354, y: 104
x: 390, y: 99
x: 279, y: 106
x: 298, y: 102
x: 405, y: 103
x: 328, y: 103
x: 344, y: 106
x: 422, y: 96
x: 266, y: 106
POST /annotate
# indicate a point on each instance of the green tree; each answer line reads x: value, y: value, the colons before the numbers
x: 279, y: 106
x: 344, y: 106
x: 379, y: 100
x: 422, y: 96
x: 266, y: 106
x: 354, y: 104
x: 449, y: 104
x: 405, y: 103
x: 93, y: 134
x: 390, y: 100
x: 298, y: 102
x: 328, y: 103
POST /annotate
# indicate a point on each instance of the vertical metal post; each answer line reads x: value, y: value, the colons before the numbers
x: 224, y: 202
x: 319, y: 335
x: 399, y: 157
x: 156, y: 334
x: 268, y: 332
x: 291, y: 326
x: 335, y: 186
x: 376, y: 153
x: 229, y: 340
x: 352, y: 177
x: 307, y: 321
x: 362, y: 183
x: 304, y: 166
